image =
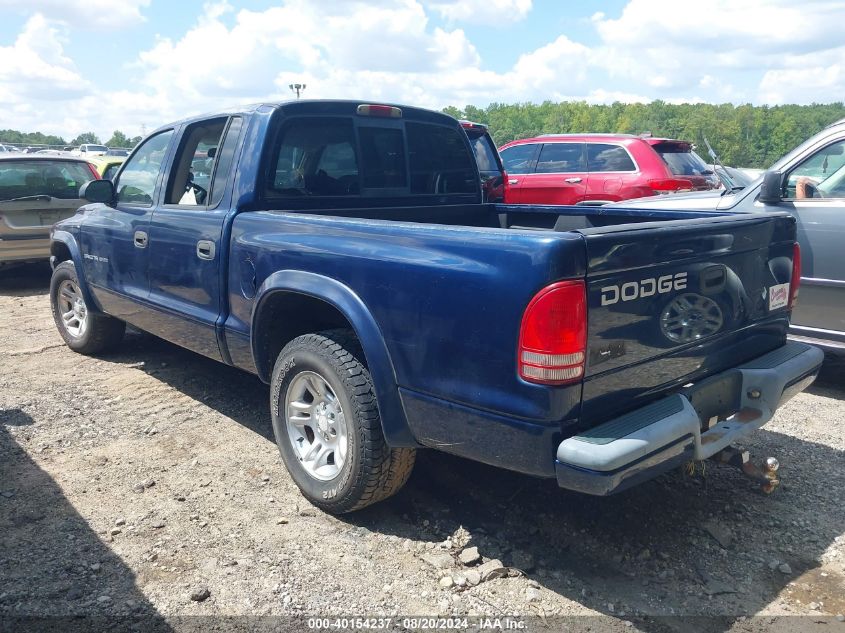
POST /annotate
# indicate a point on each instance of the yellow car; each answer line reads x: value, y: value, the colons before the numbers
x: 106, y: 166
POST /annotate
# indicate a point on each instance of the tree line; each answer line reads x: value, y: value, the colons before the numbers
x: 118, y: 139
x: 742, y: 136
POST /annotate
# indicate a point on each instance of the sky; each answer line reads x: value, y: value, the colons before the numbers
x: 71, y: 66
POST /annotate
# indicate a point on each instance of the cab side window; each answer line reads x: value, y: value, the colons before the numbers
x: 190, y: 176
x: 138, y: 179
x: 822, y: 175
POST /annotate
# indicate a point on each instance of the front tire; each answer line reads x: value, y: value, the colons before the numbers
x: 83, y: 331
x: 327, y: 425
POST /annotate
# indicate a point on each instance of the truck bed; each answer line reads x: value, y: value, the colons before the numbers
x: 533, y: 217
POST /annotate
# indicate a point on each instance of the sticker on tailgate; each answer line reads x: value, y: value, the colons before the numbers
x: 778, y: 296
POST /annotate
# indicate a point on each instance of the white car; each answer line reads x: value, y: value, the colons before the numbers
x: 89, y: 149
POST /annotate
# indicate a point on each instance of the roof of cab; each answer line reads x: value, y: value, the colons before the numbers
x: 311, y: 106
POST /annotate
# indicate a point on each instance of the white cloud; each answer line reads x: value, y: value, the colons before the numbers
x: 677, y: 47
x: 816, y: 84
x: 36, y: 67
x: 86, y: 14
x: 400, y: 51
x: 489, y: 12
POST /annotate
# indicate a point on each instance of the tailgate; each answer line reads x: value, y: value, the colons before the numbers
x: 672, y: 302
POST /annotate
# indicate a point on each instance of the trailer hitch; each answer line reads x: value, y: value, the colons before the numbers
x: 766, y: 475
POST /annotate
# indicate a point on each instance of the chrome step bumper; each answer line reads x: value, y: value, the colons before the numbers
x: 664, y: 434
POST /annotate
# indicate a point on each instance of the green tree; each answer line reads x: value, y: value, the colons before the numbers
x: 86, y: 137
x: 744, y: 135
x: 118, y: 139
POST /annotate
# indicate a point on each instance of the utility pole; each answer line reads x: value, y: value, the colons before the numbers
x: 297, y: 88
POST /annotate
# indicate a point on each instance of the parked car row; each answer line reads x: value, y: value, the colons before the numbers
x: 87, y: 149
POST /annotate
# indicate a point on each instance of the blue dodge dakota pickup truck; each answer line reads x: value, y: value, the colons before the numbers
x: 341, y: 252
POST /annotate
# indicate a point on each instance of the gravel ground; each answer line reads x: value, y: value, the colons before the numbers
x: 146, y: 483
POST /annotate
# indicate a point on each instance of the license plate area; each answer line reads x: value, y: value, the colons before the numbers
x: 716, y: 399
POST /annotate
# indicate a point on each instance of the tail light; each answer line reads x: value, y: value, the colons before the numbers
x: 390, y: 112
x: 93, y: 170
x: 795, y: 282
x: 553, y: 335
x: 667, y: 185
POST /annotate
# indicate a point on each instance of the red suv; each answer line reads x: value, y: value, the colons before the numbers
x: 600, y: 168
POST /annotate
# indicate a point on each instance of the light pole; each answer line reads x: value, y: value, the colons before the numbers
x: 297, y: 88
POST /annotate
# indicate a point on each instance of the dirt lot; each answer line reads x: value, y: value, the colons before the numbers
x: 130, y: 482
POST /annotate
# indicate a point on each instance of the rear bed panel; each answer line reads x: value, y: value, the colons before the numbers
x: 671, y: 303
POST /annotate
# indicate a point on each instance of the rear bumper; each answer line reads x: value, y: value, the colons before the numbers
x: 644, y: 443
x: 24, y: 249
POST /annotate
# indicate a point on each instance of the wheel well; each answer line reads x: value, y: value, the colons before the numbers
x: 286, y: 315
x: 60, y: 251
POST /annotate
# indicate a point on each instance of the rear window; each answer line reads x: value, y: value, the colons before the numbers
x: 682, y: 161
x: 96, y: 148
x: 316, y: 157
x: 439, y: 160
x: 383, y: 155
x: 58, y: 179
x: 329, y: 156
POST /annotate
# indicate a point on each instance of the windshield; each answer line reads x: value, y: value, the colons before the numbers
x: 682, y: 161
x: 57, y: 179
x: 97, y: 148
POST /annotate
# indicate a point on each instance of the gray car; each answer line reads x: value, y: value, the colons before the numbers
x: 809, y: 182
x: 36, y: 191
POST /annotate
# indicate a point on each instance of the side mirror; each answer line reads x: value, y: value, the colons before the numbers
x: 97, y: 191
x: 771, y: 191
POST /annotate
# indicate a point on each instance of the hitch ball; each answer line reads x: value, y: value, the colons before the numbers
x: 771, y: 465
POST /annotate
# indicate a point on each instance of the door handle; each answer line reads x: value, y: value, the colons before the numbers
x: 572, y: 180
x: 140, y: 239
x: 205, y: 249
x: 513, y: 181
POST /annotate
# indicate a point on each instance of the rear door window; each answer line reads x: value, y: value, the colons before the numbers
x: 439, y: 160
x: 608, y: 157
x: 561, y: 158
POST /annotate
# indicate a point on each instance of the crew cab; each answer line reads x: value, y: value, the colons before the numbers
x: 341, y: 252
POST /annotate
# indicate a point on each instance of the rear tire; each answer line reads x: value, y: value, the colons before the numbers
x: 83, y: 331
x: 327, y: 425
